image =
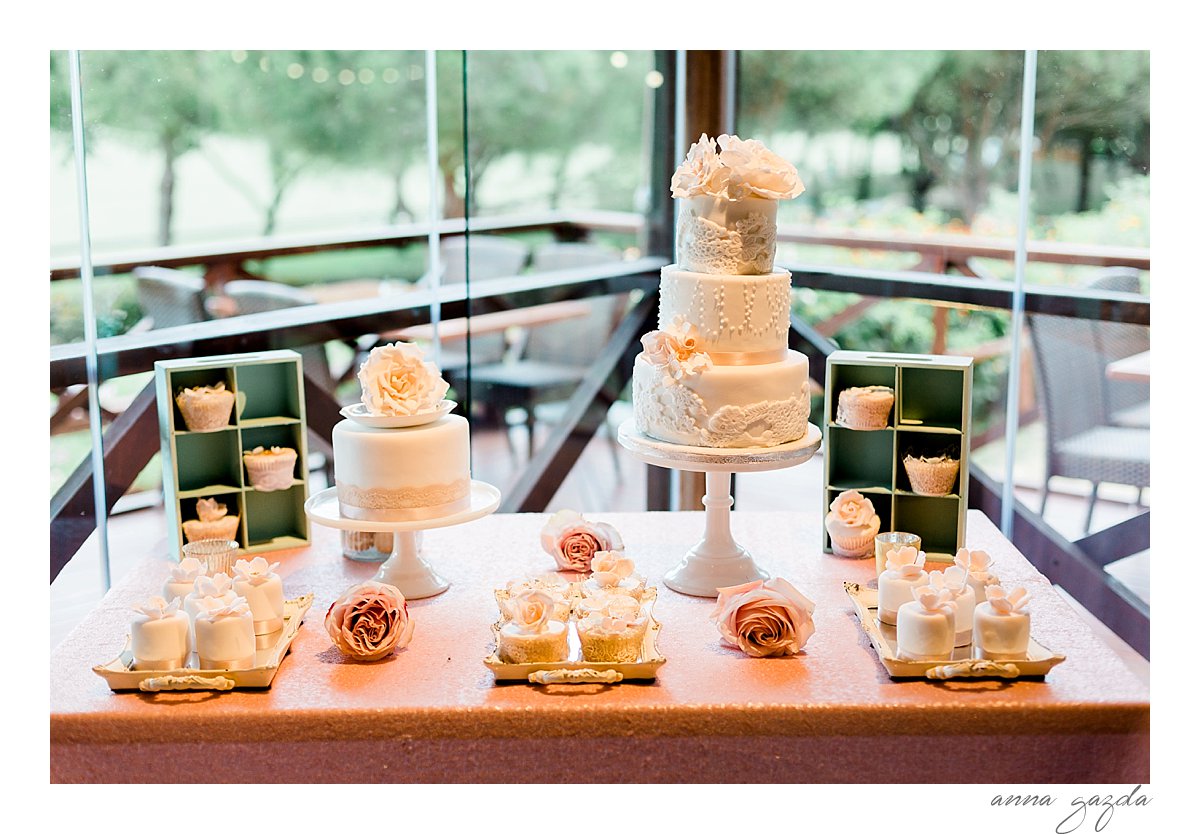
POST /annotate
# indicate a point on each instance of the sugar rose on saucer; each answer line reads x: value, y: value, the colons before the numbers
x: 573, y: 540
x: 396, y: 380
x: 369, y: 621
x: 764, y: 619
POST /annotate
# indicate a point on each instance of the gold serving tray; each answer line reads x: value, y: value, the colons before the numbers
x: 962, y: 663
x: 575, y: 669
x: 122, y: 677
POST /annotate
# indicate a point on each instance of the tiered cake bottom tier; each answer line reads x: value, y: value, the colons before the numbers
x: 725, y: 406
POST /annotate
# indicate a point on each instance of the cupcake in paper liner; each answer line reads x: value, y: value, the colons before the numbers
x: 852, y: 524
x: 865, y: 408
x: 270, y: 469
x: 931, y: 475
x: 214, y: 522
x: 205, y: 407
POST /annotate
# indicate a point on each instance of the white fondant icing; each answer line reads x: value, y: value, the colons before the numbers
x: 725, y: 237
x: 746, y: 314
x: 225, y: 635
x: 1002, y: 625
x: 925, y: 626
x: 158, y: 636
x: 261, y: 587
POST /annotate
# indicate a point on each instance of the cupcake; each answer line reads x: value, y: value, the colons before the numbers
x: 1002, y: 625
x: 205, y: 407
x: 183, y: 576
x: 214, y: 522
x: 554, y: 587
x: 865, y: 408
x: 531, y: 634
x: 613, y: 632
x: 852, y: 524
x: 931, y: 475
x: 364, y: 546
x: 612, y: 573
x: 270, y: 469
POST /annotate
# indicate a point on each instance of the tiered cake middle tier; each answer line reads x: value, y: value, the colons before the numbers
x: 754, y: 393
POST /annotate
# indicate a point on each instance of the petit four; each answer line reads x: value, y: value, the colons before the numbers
x: 182, y: 577
x: 977, y: 564
x: 865, y: 408
x: 218, y: 586
x: 931, y: 475
x: 158, y: 635
x: 531, y: 635
x: 257, y: 582
x: 1002, y: 624
x: 613, y: 631
x: 852, y: 524
x: 270, y: 469
x: 612, y: 573
x: 954, y: 580
x: 225, y: 634
x: 213, y: 522
x: 905, y: 571
x: 205, y: 407
x: 925, y: 626
x: 554, y: 587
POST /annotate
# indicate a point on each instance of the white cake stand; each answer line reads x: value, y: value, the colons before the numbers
x: 717, y: 561
x: 405, y: 568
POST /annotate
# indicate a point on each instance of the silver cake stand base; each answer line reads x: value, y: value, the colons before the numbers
x: 717, y: 561
x: 405, y: 568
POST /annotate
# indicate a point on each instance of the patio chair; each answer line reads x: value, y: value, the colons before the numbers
x: 1080, y: 443
x: 1125, y: 403
x: 169, y: 297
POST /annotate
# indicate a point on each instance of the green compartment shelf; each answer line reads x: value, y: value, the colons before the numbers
x: 932, y: 414
x: 269, y: 412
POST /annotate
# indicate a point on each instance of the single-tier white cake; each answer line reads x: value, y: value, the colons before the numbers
x: 402, y: 473
x: 925, y: 625
x: 257, y: 583
x: 905, y: 571
x: 718, y: 372
x: 219, y: 586
x: 977, y: 564
x: 954, y: 581
x: 225, y: 635
x: 1002, y: 625
x: 158, y: 635
x: 183, y: 577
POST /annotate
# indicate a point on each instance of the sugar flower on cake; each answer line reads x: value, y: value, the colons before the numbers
x: 256, y: 571
x: 573, y: 540
x: 369, y: 621
x: 157, y: 608
x: 216, y: 608
x: 216, y: 585
x: 744, y: 168
x: 188, y: 569
x: 907, y: 561
x: 676, y: 349
x: 609, y: 567
x: 209, y: 509
x: 933, y: 599
x: 973, y: 561
x: 1007, y: 602
x: 952, y: 579
x: 396, y: 380
x: 764, y: 619
x: 529, y: 611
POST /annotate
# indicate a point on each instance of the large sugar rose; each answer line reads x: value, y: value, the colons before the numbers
x: 396, y: 380
x: 676, y: 348
x: 369, y: 621
x: 530, y: 610
x: 573, y: 540
x: 701, y: 172
x: 610, y: 567
x: 764, y: 619
x: 755, y: 171
x: 852, y: 509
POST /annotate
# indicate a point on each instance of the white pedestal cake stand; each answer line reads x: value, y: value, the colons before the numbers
x: 717, y: 561
x: 405, y: 568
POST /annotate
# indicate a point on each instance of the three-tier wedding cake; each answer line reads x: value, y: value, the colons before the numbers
x: 718, y: 372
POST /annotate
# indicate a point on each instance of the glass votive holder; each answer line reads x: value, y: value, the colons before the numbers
x: 218, y: 555
x: 892, y: 541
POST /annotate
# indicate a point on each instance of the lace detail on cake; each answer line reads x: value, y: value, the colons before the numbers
x: 402, y: 498
x: 676, y: 409
x: 746, y: 249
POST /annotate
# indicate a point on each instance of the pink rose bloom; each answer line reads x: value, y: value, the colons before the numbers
x: 658, y: 347
x: 764, y: 619
x: 369, y: 621
x: 852, y: 509
x: 573, y: 540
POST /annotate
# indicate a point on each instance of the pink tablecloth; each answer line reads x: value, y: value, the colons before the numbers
x: 433, y: 713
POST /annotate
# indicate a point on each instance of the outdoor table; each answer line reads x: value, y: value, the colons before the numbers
x: 1135, y: 368
x: 433, y: 712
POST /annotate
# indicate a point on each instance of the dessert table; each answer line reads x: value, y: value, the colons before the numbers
x: 433, y: 713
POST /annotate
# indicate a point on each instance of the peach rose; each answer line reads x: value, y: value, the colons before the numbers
x: 610, y: 567
x: 701, y: 172
x: 573, y: 540
x: 530, y: 610
x: 764, y: 619
x: 369, y: 621
x: 852, y: 509
x: 755, y: 171
x: 396, y: 379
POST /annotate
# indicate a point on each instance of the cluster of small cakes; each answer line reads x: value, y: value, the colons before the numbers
x: 963, y: 605
x: 605, y: 611
x: 217, y: 617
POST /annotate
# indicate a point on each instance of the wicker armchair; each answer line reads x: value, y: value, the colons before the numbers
x: 169, y: 297
x: 1125, y: 403
x: 1080, y: 442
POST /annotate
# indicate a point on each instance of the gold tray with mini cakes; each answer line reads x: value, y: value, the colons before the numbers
x: 962, y: 662
x: 575, y: 669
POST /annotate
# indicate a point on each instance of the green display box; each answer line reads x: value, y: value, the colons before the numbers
x: 931, y: 415
x: 268, y: 411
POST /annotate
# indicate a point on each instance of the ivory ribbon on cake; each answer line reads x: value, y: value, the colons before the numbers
x: 380, y: 504
x: 748, y: 357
